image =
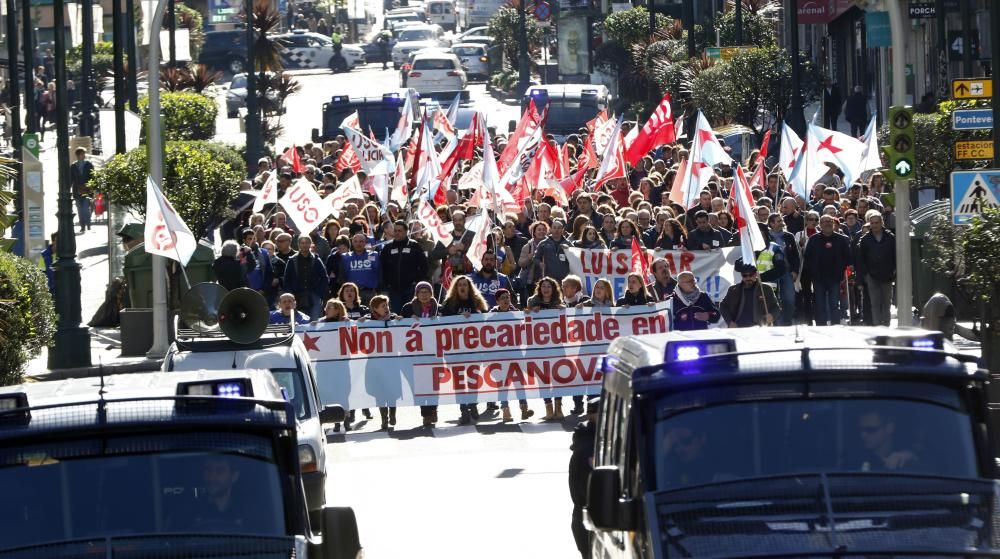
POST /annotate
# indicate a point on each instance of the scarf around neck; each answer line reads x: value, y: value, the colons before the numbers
x: 687, y: 299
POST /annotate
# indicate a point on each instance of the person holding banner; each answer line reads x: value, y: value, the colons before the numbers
x: 635, y: 292
x: 349, y: 295
x: 602, y: 296
x: 590, y: 238
x: 423, y: 306
x: 693, y: 309
x: 380, y: 311
x: 662, y: 286
x: 464, y: 299
x: 505, y: 304
x: 334, y: 311
x: 547, y: 296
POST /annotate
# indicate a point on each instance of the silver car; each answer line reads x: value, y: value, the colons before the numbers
x: 475, y: 61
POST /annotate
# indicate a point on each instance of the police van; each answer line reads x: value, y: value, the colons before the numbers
x: 570, y: 106
x: 273, y: 348
x: 378, y: 113
x: 159, y: 465
x: 792, y: 442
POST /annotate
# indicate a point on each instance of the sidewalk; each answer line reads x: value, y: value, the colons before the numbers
x: 92, y: 255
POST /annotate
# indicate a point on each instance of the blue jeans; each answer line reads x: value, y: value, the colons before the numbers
x: 786, y: 296
x: 827, y: 303
x: 83, y: 211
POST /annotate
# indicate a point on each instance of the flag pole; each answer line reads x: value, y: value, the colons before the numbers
x: 160, y: 319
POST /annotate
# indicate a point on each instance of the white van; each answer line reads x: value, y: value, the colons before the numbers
x: 442, y: 12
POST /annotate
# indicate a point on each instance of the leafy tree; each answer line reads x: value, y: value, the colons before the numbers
x: 504, y: 26
x: 198, y: 181
x: 102, y: 60
x: 27, y: 317
x: 186, y: 115
x: 713, y: 91
x: 629, y: 27
x: 756, y: 30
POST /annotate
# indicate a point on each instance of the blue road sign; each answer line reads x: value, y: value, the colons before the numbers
x: 972, y: 119
x: 972, y: 192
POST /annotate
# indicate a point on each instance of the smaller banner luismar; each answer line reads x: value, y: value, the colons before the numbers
x: 712, y: 269
x: 483, y: 358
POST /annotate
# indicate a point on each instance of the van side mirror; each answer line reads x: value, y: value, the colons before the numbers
x: 605, y: 506
x: 332, y: 414
x: 340, y: 534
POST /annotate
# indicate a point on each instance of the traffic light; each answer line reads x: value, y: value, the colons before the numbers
x: 901, y: 150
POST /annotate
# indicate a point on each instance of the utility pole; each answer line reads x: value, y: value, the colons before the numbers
x: 739, y: 22
x: 132, y: 83
x: 688, y: 20
x: 898, y: 22
x: 14, y: 85
x: 524, y: 69
x: 253, y: 112
x: 118, y: 38
x: 994, y: 75
x: 72, y: 341
x: 796, y: 119
x: 651, y: 8
x: 88, y: 79
x: 966, y: 12
x: 155, y: 139
x: 942, y: 41
x: 29, y: 68
x: 172, y: 23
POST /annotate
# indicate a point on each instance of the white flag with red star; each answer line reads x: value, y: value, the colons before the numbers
x: 741, y: 205
x: 706, y: 153
x: 791, y: 145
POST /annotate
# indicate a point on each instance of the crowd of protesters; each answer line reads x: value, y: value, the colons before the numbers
x: 829, y: 258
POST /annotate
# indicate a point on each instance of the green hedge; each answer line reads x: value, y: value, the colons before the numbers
x: 27, y: 318
x: 201, y: 179
x: 186, y: 115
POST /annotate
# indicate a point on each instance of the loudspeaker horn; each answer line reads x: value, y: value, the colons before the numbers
x: 200, y: 306
x: 243, y: 315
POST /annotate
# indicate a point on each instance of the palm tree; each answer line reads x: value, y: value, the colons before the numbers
x: 7, y: 173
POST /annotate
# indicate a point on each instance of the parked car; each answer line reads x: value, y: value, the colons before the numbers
x: 305, y: 50
x: 479, y: 30
x: 225, y: 50
x: 474, y: 59
x: 236, y: 95
x: 484, y: 40
x: 436, y: 72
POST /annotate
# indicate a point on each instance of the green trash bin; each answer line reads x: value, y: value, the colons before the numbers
x: 927, y: 282
x: 199, y: 269
x: 138, y: 269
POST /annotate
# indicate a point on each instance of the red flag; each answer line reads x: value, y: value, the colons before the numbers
x: 466, y: 148
x: 415, y: 169
x: 348, y: 159
x: 598, y: 120
x: 529, y: 121
x: 757, y: 180
x: 658, y: 131
x: 613, y: 162
x: 291, y: 156
x: 588, y: 157
x: 640, y: 262
x: 574, y: 181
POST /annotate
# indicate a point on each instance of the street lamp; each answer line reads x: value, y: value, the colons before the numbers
x: 29, y: 68
x: 87, y: 67
x: 253, y: 113
x: 72, y: 340
x: 796, y: 119
x: 155, y: 139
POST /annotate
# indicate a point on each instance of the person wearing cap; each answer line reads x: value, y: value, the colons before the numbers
x: 423, y: 305
x: 581, y: 463
x: 750, y: 302
x: 132, y: 235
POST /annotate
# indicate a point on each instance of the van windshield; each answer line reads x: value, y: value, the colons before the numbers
x: 184, y: 483
x: 379, y: 116
x: 291, y: 381
x: 732, y: 433
x: 416, y: 35
x: 567, y: 116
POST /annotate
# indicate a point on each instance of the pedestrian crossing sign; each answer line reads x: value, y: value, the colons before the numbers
x: 972, y: 192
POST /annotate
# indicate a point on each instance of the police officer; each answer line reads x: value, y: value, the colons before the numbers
x: 339, y: 63
x: 384, y: 38
x: 581, y: 463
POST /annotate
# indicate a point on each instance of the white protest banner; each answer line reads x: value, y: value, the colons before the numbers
x: 713, y: 269
x: 165, y: 233
x: 429, y: 218
x: 483, y: 358
x: 347, y: 190
x: 375, y: 158
x: 304, y: 206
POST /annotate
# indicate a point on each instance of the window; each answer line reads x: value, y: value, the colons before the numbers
x: 434, y: 64
x: 437, y: 9
x: 465, y: 52
x: 741, y: 433
x: 291, y: 381
x: 207, y: 482
x: 416, y: 35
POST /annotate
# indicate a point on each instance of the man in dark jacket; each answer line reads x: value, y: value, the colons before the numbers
x: 877, y: 265
x: 856, y: 111
x: 279, y: 261
x: 581, y: 463
x: 258, y: 265
x: 831, y: 105
x: 403, y: 264
x: 703, y: 236
x: 827, y: 255
x: 662, y: 286
x: 461, y: 240
x: 551, y: 252
x: 229, y: 272
x: 750, y: 302
x: 79, y: 174
x: 305, y: 277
